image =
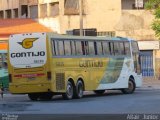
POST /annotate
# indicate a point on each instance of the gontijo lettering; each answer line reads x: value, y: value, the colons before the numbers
x: 90, y: 63
x: 27, y: 54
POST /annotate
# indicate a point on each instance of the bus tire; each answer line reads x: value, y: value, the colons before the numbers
x: 131, y: 87
x: 33, y: 96
x: 68, y: 95
x: 99, y: 92
x: 79, y: 89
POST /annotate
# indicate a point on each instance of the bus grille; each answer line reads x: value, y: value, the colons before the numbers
x: 60, y: 81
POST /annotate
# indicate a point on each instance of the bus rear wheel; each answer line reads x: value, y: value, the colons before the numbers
x: 79, y: 89
x: 131, y: 87
x: 69, y: 91
x: 99, y: 92
x: 33, y: 96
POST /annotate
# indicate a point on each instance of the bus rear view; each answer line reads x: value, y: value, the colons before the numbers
x: 28, y: 71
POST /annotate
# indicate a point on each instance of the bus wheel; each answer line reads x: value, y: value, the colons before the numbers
x: 46, y: 96
x: 130, y: 89
x: 69, y: 91
x: 99, y: 92
x: 79, y: 89
x: 33, y: 96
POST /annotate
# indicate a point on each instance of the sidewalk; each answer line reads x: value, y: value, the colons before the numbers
x: 150, y: 83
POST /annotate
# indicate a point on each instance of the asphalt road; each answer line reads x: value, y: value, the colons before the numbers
x: 112, y: 102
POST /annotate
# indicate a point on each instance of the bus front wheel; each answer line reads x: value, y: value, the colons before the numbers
x: 69, y: 91
x: 131, y: 87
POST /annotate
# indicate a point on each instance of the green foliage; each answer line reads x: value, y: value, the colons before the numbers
x: 155, y: 5
x: 157, y: 13
x: 156, y: 27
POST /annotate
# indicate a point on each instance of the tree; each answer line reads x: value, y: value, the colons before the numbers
x: 154, y: 5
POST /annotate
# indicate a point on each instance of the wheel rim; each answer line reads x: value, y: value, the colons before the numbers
x: 80, y: 90
x: 130, y: 86
x: 69, y: 91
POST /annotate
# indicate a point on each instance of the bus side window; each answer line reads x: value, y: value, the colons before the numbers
x: 95, y: 48
x: 61, y: 47
x: 122, y: 49
x: 67, y: 47
x: 91, y: 48
x: 127, y: 48
x: 134, y: 47
x: 56, y: 47
x: 111, y: 48
x: 73, y: 47
x: 83, y: 47
x: 54, y: 52
x: 116, y: 48
x: 86, y: 48
x: 106, y: 50
x: 99, y: 48
x: 79, y: 48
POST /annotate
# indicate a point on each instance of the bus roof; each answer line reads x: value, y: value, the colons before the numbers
x: 58, y: 36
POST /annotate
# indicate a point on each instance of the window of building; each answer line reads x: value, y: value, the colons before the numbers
x: 133, y: 4
x: 8, y: 14
x: 1, y: 14
x: 24, y: 11
x: 15, y: 13
x: 43, y: 10
x: 54, y: 9
x: 33, y: 11
x: 71, y: 7
x: 106, y: 33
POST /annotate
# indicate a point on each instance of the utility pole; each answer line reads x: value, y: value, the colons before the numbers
x: 81, y: 16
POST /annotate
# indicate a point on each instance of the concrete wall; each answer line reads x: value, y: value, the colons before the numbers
x: 136, y: 24
x: 8, y: 4
x: 100, y: 14
x: 104, y: 15
x: 50, y: 22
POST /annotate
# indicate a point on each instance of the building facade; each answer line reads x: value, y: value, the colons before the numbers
x: 126, y: 18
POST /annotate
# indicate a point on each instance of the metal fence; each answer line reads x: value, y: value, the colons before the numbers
x: 146, y: 58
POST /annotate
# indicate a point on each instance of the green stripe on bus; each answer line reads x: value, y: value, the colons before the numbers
x: 113, y: 70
